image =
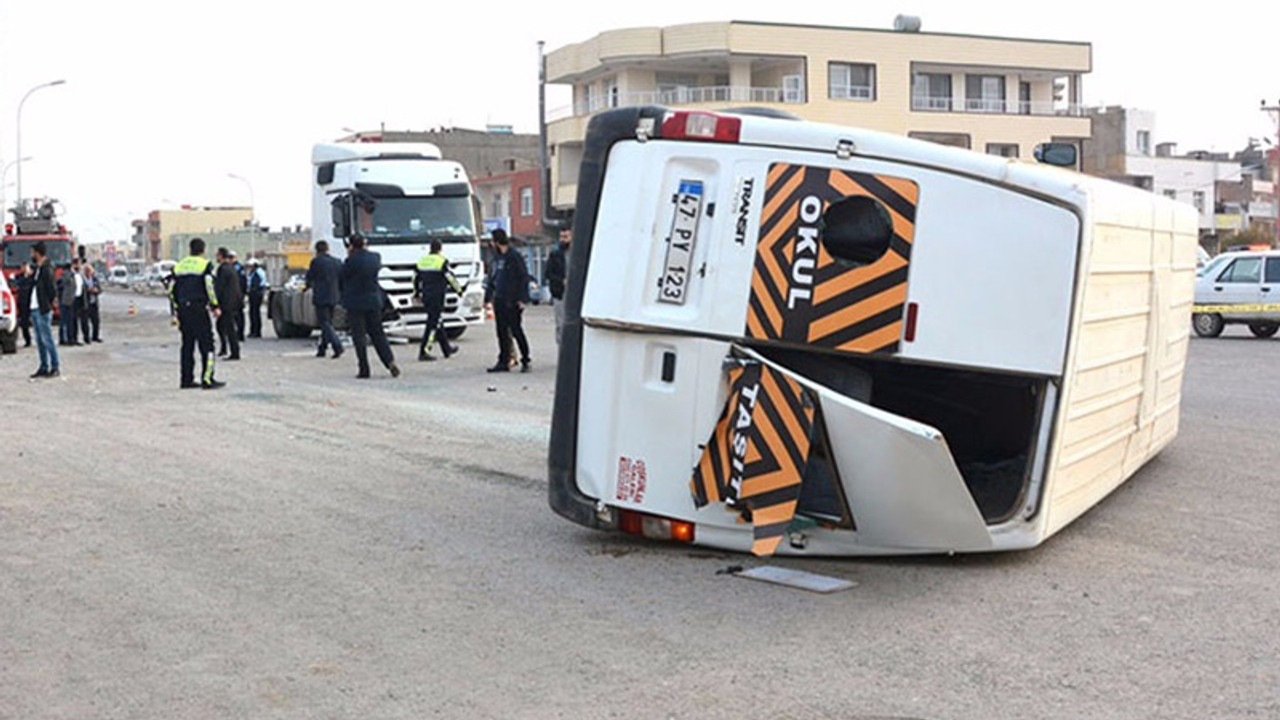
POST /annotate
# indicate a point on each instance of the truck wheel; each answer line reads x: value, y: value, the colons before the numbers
x: 1207, y: 324
x: 285, y: 330
x: 1262, y: 330
x: 9, y: 342
x: 454, y: 333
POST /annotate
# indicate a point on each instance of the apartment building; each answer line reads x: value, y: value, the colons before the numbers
x: 162, y: 225
x: 996, y: 95
x: 1122, y: 149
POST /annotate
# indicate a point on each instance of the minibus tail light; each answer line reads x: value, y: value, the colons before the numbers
x: 654, y: 527
x: 709, y: 127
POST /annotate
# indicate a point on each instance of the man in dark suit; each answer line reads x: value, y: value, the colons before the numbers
x: 322, y: 280
x: 226, y: 285
x: 363, y: 299
x: 508, y: 291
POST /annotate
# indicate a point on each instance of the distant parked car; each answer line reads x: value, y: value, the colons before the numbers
x: 1239, y: 288
x: 8, y: 318
x: 119, y: 276
x: 538, y: 294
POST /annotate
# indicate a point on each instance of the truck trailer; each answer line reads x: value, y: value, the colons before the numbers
x: 792, y: 337
x: 400, y: 196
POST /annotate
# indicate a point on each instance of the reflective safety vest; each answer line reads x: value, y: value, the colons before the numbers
x: 193, y: 282
x: 433, y: 274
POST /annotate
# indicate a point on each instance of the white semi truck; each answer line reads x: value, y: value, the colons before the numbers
x: 400, y: 196
x: 784, y: 336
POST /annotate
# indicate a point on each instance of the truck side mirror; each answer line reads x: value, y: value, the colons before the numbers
x: 1059, y: 154
x: 341, y: 216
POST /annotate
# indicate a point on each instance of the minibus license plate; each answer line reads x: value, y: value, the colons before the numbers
x: 686, y: 211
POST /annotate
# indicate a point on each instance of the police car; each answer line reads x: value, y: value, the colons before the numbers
x: 1241, y: 288
x: 8, y: 318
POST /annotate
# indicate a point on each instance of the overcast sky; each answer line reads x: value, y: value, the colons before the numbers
x: 164, y: 99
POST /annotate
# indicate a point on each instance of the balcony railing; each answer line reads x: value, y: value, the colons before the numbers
x: 678, y: 96
x: 987, y: 105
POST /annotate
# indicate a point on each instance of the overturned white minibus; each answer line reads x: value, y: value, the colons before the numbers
x: 800, y: 338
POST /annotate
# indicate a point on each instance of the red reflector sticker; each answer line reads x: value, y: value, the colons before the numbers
x: 910, y: 334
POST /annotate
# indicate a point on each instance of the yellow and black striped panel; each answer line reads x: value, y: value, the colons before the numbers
x: 802, y: 295
x: 757, y: 453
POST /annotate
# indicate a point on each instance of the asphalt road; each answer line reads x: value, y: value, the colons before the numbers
x: 305, y: 545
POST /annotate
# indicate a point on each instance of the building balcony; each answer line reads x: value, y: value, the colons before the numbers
x: 678, y: 96
x: 995, y: 106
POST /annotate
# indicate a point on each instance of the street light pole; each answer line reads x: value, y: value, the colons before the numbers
x: 4, y: 183
x: 19, y: 153
x: 253, y: 213
x: 1274, y: 111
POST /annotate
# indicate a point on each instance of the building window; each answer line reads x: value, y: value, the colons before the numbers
x: 676, y: 88
x: 611, y: 92
x: 593, y: 98
x: 984, y: 93
x: 851, y: 81
x: 1171, y: 194
x: 931, y: 91
x: 960, y: 140
x: 499, y: 208
x: 1144, y: 142
x: 1197, y: 199
x: 793, y: 88
x: 1009, y: 150
x: 526, y: 201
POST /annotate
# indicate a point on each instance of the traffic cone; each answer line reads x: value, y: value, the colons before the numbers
x: 488, y: 312
x: 133, y: 308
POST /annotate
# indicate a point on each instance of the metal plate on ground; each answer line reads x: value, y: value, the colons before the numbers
x: 797, y: 579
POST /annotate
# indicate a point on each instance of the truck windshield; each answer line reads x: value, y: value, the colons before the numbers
x: 17, y: 252
x: 419, y: 219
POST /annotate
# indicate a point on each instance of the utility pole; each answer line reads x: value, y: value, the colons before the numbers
x: 1274, y: 112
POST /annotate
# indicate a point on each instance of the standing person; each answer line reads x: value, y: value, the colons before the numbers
x: 91, y: 319
x: 508, y: 291
x: 226, y: 285
x: 192, y: 299
x: 24, y: 282
x: 257, y: 290
x: 243, y: 276
x: 433, y: 276
x: 43, y: 295
x: 363, y: 299
x: 322, y: 280
x: 67, y: 284
x: 557, y: 275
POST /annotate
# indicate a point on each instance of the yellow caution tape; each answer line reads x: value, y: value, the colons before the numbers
x: 1240, y: 308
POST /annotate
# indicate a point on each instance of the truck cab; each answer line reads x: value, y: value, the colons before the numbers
x: 400, y: 197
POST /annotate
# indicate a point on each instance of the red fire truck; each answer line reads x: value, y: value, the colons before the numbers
x: 35, y: 221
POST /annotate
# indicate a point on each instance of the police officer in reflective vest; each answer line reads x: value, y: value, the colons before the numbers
x: 430, y: 281
x: 192, y: 298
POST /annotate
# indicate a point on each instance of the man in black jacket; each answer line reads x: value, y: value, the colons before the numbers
x: 226, y: 285
x: 362, y: 297
x: 322, y: 281
x: 24, y: 283
x: 45, y: 294
x: 508, y: 291
x: 557, y: 275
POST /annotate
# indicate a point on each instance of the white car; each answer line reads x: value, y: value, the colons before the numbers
x: 8, y: 318
x: 1238, y: 288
